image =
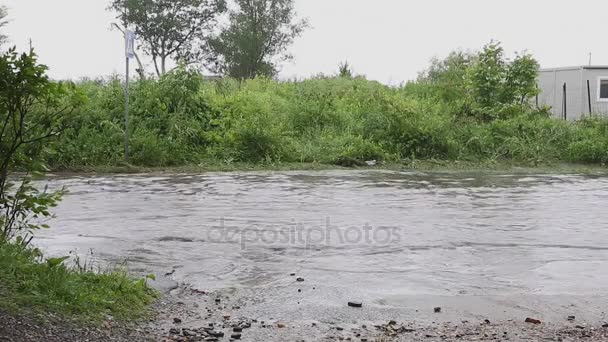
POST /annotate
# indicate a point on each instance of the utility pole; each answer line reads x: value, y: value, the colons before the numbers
x: 129, y: 53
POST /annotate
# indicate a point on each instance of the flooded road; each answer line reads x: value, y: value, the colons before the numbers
x: 389, y: 239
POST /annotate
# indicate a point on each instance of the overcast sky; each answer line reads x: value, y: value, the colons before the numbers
x: 387, y: 40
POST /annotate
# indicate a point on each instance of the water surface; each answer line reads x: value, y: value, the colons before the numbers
x: 444, y: 234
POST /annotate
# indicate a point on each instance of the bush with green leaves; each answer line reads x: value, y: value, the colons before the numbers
x: 33, y: 110
x: 472, y: 107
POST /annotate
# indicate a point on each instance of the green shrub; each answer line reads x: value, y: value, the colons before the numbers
x: 184, y: 119
x: 30, y: 282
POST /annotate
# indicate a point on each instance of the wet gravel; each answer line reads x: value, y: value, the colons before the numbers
x: 192, y: 315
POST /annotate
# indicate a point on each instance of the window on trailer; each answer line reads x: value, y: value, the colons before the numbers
x: 602, y: 90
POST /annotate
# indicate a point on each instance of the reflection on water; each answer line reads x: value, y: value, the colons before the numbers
x: 376, y: 233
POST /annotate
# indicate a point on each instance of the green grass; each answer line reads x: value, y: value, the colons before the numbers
x: 406, y: 165
x: 315, y: 123
x: 31, y: 284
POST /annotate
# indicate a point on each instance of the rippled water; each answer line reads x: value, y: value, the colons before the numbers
x: 427, y: 233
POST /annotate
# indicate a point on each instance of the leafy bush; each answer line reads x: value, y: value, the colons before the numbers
x: 472, y: 107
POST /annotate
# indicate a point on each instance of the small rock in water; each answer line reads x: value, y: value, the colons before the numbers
x: 216, y: 333
x: 605, y: 325
x: 580, y: 327
x: 237, y: 329
x: 392, y: 322
x: 571, y: 318
x: 300, y: 279
x: 355, y: 304
x: 299, y: 290
x: 177, y: 320
x: 339, y: 328
x: 235, y: 336
x: 533, y: 320
x: 292, y: 274
x: 437, y: 310
x: 174, y: 331
x: 487, y: 321
x: 218, y: 300
x: 281, y: 325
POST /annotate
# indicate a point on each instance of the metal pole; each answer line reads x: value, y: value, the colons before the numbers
x: 589, y: 97
x: 127, y: 112
x: 565, y: 103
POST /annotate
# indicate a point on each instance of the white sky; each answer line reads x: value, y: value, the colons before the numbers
x: 387, y: 40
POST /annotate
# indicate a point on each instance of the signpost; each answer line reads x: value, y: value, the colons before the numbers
x: 129, y: 53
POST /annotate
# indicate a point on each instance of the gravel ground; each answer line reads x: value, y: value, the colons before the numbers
x: 54, y: 329
x: 192, y: 315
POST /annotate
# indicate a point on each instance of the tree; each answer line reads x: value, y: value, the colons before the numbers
x: 32, y: 110
x: 170, y: 29
x: 256, y: 40
x: 520, y: 79
x: 345, y: 70
x: 449, y: 75
x: 487, y: 74
x: 493, y: 80
x: 3, y: 22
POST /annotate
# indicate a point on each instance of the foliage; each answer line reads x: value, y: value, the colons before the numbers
x: 256, y: 39
x: 184, y: 119
x: 32, y: 110
x: 448, y: 76
x: 3, y: 22
x: 496, y: 85
x: 345, y: 70
x: 484, y: 85
x: 29, y: 282
x: 170, y: 28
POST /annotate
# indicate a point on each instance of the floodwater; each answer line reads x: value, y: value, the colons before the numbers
x: 380, y: 237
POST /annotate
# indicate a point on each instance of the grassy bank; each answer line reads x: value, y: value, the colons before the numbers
x: 31, y: 284
x: 183, y: 120
x: 428, y: 165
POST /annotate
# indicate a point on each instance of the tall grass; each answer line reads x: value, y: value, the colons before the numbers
x: 183, y: 119
x: 30, y: 282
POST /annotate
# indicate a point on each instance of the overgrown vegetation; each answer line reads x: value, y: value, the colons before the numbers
x: 471, y: 107
x: 30, y: 282
x: 33, y: 110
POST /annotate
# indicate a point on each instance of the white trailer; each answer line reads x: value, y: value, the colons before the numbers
x: 574, y: 92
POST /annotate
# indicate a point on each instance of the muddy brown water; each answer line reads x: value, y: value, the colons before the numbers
x: 392, y: 240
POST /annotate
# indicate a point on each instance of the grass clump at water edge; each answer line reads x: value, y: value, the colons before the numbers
x: 29, y: 283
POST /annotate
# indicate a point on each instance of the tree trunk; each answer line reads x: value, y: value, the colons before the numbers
x: 140, y: 71
x: 156, y: 65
